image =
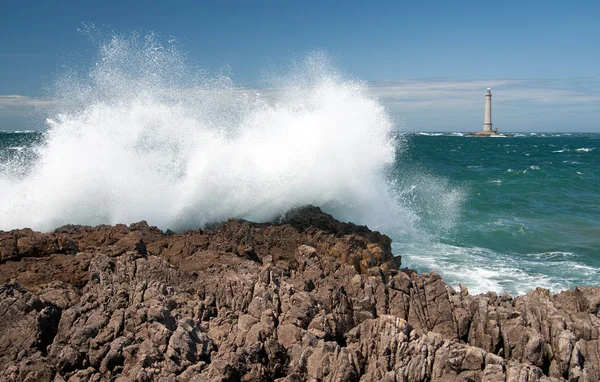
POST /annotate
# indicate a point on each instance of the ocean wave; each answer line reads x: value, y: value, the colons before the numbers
x: 431, y: 134
x: 483, y: 270
x: 552, y: 255
x: 480, y: 269
x: 141, y: 135
x: 18, y: 131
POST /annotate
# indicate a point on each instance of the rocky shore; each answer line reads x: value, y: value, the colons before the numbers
x: 307, y: 298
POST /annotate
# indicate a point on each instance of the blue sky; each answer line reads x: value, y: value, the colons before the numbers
x: 429, y: 62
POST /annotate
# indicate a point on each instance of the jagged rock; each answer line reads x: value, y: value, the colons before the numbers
x: 306, y: 298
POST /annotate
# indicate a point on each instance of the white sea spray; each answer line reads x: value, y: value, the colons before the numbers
x: 143, y: 135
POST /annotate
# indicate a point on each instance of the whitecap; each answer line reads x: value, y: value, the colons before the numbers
x: 480, y: 269
x: 18, y: 131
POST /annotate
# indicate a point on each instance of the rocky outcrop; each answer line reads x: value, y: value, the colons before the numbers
x: 307, y: 298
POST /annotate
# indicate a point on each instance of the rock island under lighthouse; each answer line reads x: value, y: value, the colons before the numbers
x: 487, y: 119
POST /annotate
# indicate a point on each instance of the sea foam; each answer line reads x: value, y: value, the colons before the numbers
x: 141, y: 134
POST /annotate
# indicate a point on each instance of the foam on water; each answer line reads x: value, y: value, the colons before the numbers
x: 431, y: 134
x: 141, y: 135
x: 484, y: 270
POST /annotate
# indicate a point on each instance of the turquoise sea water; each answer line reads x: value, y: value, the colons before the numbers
x: 501, y: 214
x: 529, y: 214
x: 17, y: 152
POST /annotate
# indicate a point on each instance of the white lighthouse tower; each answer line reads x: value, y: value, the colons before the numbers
x: 487, y: 118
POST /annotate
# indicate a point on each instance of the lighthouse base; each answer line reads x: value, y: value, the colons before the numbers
x: 486, y: 133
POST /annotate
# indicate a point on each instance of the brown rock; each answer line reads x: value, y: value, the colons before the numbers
x: 307, y: 298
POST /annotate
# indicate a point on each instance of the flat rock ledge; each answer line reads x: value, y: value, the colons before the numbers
x: 304, y: 299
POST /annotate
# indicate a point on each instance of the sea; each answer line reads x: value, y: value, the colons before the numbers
x: 529, y: 215
x: 141, y: 133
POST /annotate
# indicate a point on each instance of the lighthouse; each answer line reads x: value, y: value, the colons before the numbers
x: 487, y: 120
x: 487, y: 117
